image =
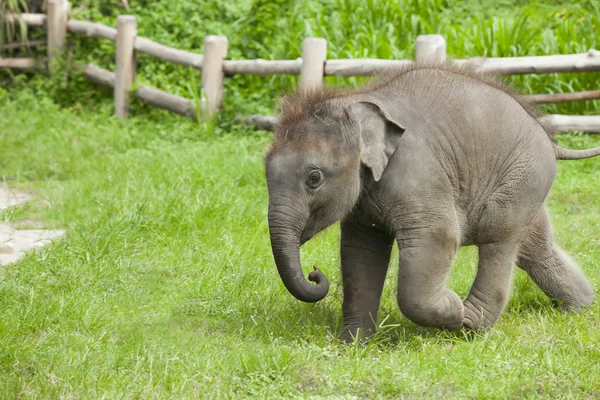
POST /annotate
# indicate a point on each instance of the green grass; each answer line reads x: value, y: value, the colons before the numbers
x: 164, y: 286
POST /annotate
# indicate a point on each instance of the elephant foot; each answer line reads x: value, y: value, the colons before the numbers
x: 580, y: 296
x: 354, y: 334
x: 476, y: 317
x: 575, y: 304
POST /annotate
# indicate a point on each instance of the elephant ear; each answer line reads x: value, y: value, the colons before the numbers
x: 378, y: 133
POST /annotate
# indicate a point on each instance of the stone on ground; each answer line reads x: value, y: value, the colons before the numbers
x: 14, y: 243
x: 11, y: 197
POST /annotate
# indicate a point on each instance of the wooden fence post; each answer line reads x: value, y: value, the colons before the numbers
x: 215, y: 51
x: 430, y: 49
x: 314, y: 55
x: 125, y: 63
x: 57, y: 28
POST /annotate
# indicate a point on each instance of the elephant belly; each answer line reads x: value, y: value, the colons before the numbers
x: 502, y: 202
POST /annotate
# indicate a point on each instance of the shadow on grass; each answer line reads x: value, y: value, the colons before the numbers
x: 264, y: 315
x: 320, y: 324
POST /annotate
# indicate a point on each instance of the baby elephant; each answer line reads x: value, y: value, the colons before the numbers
x: 433, y: 157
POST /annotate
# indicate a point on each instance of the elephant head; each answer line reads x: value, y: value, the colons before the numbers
x: 322, y: 148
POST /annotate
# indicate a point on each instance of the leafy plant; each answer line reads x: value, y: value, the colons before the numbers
x: 12, y: 28
x: 353, y: 28
x: 206, y: 121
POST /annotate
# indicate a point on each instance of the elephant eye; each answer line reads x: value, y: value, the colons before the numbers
x: 314, y: 179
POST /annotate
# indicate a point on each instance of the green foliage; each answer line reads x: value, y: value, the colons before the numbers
x: 10, y: 30
x: 268, y: 19
x: 353, y: 29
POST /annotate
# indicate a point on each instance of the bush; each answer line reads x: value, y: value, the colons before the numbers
x: 353, y: 29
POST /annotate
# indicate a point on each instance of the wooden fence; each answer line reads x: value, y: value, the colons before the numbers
x: 312, y: 67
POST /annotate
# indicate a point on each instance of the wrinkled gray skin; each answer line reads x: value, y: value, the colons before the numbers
x: 434, y: 160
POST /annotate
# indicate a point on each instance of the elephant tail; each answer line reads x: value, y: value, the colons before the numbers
x: 568, y: 154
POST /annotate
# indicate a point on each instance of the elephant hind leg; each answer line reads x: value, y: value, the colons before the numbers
x: 552, y: 269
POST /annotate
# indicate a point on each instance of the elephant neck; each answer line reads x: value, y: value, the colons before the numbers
x: 371, y: 210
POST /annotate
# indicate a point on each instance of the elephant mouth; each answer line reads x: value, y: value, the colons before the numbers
x: 309, y: 232
x: 316, y: 224
x: 305, y: 237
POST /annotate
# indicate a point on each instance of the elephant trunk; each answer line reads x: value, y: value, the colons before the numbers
x: 285, y: 243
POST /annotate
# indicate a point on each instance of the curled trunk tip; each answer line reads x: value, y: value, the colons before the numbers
x: 317, y: 277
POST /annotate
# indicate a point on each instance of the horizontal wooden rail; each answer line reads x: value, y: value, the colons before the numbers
x: 557, y: 123
x: 18, y: 45
x: 147, y: 94
x: 585, y: 62
x: 29, y: 19
x: 99, y: 75
x: 265, y: 122
x: 18, y: 63
x: 170, y: 54
x: 142, y: 44
x: 34, y: 19
x: 92, y: 29
x: 563, y: 97
x: 262, y: 67
x: 362, y: 67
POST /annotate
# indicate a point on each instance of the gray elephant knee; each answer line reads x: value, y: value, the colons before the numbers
x: 445, y: 311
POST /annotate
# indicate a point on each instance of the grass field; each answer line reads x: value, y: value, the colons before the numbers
x: 164, y: 286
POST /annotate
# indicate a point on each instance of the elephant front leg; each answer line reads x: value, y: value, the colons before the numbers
x: 425, y: 260
x: 491, y: 289
x: 365, y: 254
